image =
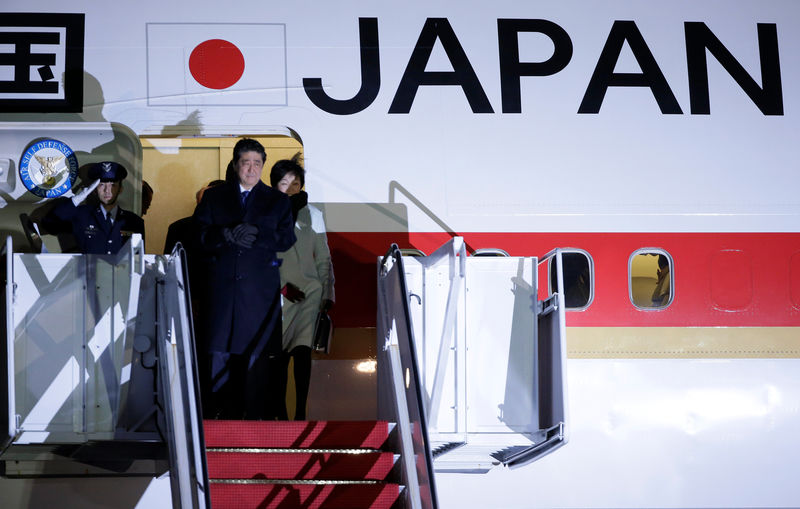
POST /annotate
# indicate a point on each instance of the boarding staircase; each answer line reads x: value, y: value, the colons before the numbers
x: 99, y: 361
x: 125, y: 322
x: 309, y: 464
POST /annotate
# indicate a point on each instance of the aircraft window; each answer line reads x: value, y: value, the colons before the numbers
x: 652, y: 279
x: 412, y: 251
x: 578, y: 279
x: 490, y: 251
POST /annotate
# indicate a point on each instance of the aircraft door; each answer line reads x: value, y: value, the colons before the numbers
x: 551, y: 356
x: 549, y: 359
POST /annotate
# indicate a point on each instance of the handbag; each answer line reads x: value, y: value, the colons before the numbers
x: 323, y: 333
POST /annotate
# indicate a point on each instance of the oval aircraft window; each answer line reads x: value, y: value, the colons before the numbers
x: 490, y: 251
x: 578, y: 279
x: 651, y: 282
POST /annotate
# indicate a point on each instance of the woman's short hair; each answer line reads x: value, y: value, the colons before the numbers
x: 281, y: 168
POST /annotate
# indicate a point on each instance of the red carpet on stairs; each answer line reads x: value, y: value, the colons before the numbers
x: 296, y: 434
x: 285, y: 464
x: 322, y: 466
x: 286, y: 496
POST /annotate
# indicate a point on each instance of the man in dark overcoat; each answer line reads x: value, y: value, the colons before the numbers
x: 242, y: 224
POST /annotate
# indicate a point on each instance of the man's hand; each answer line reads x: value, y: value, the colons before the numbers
x: 293, y: 293
x: 242, y: 235
x: 81, y: 196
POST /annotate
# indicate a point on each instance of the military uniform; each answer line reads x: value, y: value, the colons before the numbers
x: 93, y: 233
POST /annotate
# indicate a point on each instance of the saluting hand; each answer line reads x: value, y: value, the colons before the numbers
x: 81, y: 196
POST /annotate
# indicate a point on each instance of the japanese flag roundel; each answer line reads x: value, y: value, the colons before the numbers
x: 216, y: 64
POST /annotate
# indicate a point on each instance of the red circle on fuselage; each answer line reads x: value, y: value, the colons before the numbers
x: 216, y: 63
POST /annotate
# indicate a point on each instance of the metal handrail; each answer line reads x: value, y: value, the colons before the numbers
x: 176, y: 347
x: 394, y: 255
x: 11, y: 424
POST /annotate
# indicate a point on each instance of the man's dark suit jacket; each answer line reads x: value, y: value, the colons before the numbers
x: 242, y: 313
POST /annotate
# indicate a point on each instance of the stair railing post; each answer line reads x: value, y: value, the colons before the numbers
x: 408, y: 458
x: 457, y: 253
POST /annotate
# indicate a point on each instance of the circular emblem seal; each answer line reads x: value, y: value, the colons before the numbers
x: 48, y: 168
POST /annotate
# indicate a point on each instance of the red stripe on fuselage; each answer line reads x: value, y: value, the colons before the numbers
x: 773, y: 258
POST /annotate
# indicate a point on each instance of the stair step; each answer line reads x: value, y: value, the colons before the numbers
x: 329, y: 464
x: 296, y: 434
x: 309, y: 495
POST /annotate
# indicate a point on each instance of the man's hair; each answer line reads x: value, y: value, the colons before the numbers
x: 281, y: 168
x: 662, y: 261
x: 248, y: 145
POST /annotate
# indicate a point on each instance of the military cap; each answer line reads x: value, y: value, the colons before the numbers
x: 107, y: 171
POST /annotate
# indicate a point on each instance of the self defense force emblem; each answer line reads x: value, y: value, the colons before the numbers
x: 48, y: 168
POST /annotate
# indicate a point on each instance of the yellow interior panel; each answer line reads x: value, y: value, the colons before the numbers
x: 644, y: 278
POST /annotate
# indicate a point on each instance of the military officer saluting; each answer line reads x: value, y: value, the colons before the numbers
x: 99, y: 226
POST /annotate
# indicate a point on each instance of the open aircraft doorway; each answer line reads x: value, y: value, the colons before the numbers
x: 177, y: 164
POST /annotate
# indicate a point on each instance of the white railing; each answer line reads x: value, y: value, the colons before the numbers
x: 401, y: 394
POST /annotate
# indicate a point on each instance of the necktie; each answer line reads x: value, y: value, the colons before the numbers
x: 244, y: 197
x: 109, y: 224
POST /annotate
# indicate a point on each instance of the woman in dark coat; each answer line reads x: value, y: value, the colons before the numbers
x: 242, y: 224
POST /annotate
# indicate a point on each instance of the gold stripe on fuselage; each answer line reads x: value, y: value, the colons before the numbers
x: 683, y: 342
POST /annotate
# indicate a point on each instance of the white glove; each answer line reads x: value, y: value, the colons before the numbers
x: 78, y: 198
